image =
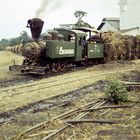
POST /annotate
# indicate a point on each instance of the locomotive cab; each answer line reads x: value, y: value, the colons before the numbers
x: 77, y: 39
x: 95, y: 47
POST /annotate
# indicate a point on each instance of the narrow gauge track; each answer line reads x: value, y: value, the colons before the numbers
x: 133, y: 86
x: 40, y: 86
x: 15, y: 81
x: 21, y: 79
x: 48, y: 103
x: 48, y: 84
x: 25, y: 78
x: 34, y: 84
x: 50, y: 129
x: 53, y: 102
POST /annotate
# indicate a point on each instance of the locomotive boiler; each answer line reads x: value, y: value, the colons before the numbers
x: 58, y: 49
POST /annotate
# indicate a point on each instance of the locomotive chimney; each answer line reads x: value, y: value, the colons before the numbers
x: 35, y: 26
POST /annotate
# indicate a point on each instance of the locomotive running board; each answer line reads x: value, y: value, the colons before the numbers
x: 28, y: 69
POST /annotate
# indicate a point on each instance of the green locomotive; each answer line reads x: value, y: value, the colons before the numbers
x: 58, y: 49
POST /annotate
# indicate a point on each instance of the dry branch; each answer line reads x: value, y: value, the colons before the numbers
x: 90, y: 121
x: 108, y: 107
x: 67, y: 125
x: 61, y: 116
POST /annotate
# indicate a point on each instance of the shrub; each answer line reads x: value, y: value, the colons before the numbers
x: 115, y: 91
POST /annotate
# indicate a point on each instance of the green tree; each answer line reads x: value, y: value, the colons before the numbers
x: 15, y: 41
x: 80, y: 22
x: 18, y: 40
x: 24, y: 35
x: 3, y: 44
x: 80, y: 15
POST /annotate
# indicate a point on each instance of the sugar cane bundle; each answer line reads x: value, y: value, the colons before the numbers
x: 114, y: 46
x: 130, y: 47
x: 8, y: 48
x: 120, y: 47
x: 15, y: 49
x: 138, y: 46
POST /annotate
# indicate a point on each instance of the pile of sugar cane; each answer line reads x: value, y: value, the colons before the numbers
x: 120, y: 47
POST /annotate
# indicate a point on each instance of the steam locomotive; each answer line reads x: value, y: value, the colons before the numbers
x: 58, y: 49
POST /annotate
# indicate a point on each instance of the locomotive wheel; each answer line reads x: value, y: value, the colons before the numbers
x: 54, y: 67
x: 59, y: 67
x: 48, y: 69
x: 62, y: 67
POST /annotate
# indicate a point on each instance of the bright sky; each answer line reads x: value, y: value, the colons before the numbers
x: 15, y: 13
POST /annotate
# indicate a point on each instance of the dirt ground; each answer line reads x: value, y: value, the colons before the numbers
x: 25, y: 104
x: 7, y: 58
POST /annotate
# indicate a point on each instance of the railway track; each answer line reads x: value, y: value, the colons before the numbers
x: 53, y: 128
x: 59, y: 100
x: 14, y: 81
x: 22, y: 79
x: 56, y: 126
x: 45, y: 86
x: 133, y: 86
x: 49, y: 83
x: 48, y: 103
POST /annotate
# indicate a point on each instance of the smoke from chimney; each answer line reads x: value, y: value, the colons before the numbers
x: 48, y: 6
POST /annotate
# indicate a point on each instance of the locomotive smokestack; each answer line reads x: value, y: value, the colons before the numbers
x: 35, y: 26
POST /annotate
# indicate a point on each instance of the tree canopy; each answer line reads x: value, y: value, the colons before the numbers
x: 80, y: 15
x: 13, y: 41
x: 80, y: 22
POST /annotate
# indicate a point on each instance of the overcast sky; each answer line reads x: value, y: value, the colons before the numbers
x: 15, y: 13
